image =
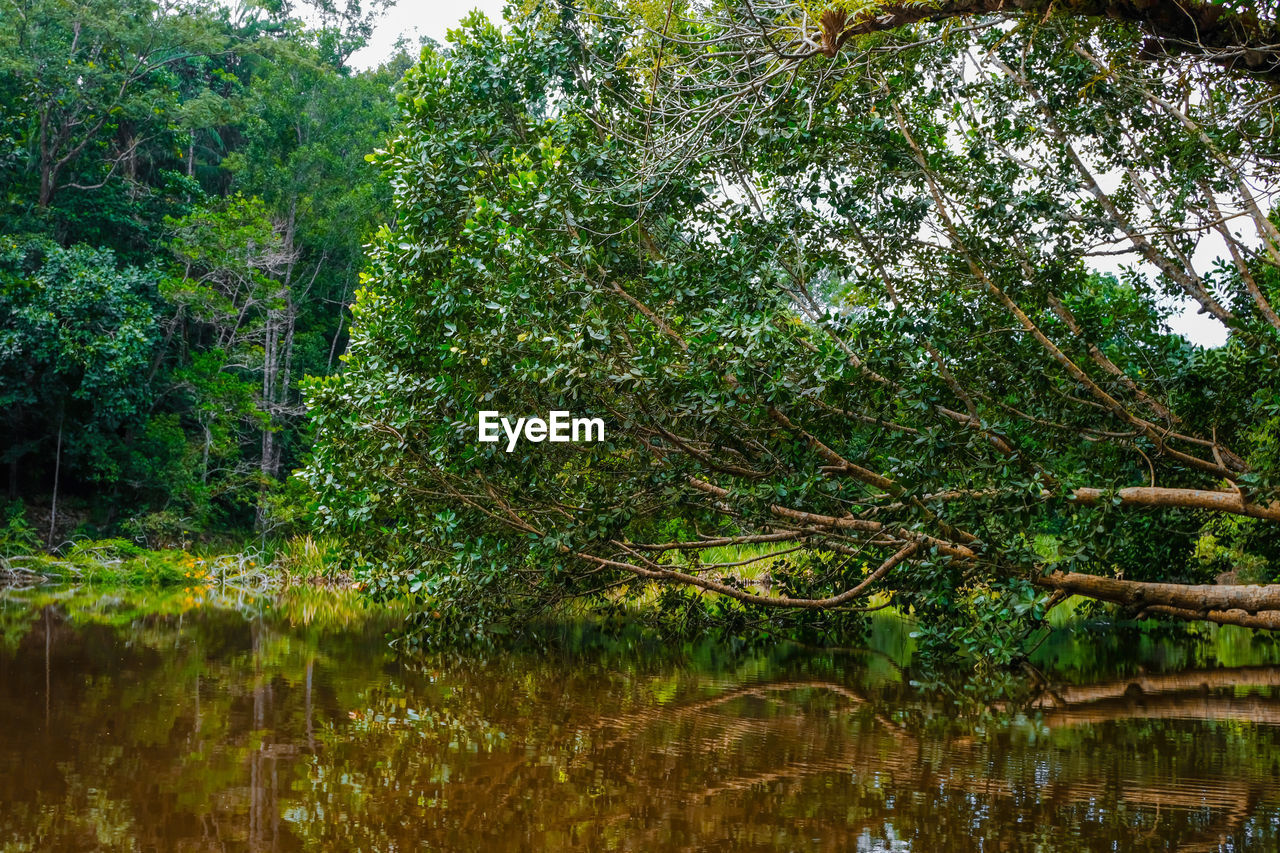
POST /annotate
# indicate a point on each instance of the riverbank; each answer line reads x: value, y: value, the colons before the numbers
x: 118, y: 562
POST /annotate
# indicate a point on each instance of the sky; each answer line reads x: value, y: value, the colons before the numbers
x: 1187, y: 320
x: 433, y: 18
x: 420, y: 17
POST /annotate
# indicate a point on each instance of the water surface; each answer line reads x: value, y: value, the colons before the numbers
x: 169, y: 723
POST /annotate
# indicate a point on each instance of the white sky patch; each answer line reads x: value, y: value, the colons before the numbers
x: 1201, y: 329
x: 1187, y: 320
x: 414, y: 18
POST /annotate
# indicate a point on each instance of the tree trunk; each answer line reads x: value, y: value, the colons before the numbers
x: 1252, y: 606
x: 48, y: 169
x: 333, y: 347
x: 57, y: 471
x: 1155, y: 496
x: 277, y: 357
x: 265, y: 465
x: 208, y: 442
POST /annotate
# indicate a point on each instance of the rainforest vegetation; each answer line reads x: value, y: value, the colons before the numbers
x: 874, y: 299
x: 183, y: 198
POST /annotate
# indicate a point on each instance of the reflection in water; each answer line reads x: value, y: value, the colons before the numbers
x: 173, y: 726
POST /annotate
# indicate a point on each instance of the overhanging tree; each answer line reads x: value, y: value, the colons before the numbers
x: 841, y: 301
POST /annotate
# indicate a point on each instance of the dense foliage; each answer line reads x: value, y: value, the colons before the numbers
x: 896, y: 310
x: 183, y: 199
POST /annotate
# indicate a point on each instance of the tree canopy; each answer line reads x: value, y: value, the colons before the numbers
x: 897, y: 311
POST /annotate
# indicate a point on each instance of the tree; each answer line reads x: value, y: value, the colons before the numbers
x: 99, y: 83
x: 307, y: 134
x: 234, y: 295
x: 308, y: 131
x: 76, y: 336
x: 862, y: 328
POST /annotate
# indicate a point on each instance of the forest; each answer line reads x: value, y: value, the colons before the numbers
x: 183, y: 200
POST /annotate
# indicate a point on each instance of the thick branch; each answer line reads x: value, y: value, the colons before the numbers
x: 1238, y: 41
x: 831, y: 522
x: 1215, y: 501
x: 660, y: 573
x: 1202, y: 601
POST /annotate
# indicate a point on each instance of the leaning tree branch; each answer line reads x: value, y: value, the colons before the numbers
x: 1221, y: 603
x: 657, y: 572
x: 1239, y: 41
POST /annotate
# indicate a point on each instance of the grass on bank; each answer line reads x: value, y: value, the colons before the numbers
x: 306, y: 560
x: 119, y: 562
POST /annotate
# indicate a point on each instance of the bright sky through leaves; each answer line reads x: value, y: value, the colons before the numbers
x: 411, y: 18
x: 434, y: 19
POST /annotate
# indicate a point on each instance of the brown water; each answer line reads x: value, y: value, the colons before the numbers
x: 166, y: 724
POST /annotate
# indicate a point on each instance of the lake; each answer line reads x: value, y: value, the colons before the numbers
x: 190, y: 721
